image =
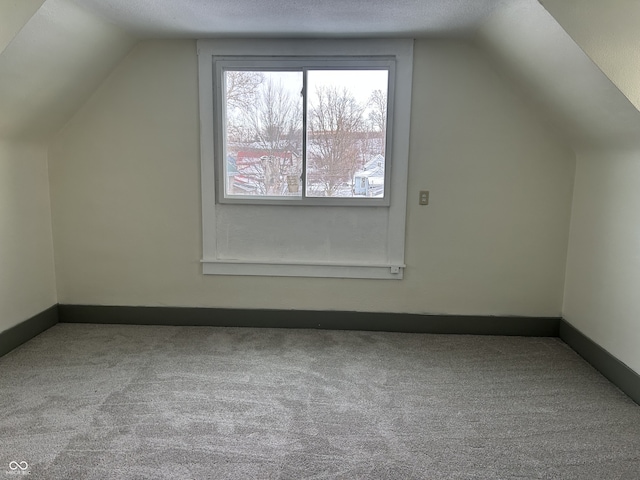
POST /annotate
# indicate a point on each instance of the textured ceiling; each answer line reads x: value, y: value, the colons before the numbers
x: 306, y: 18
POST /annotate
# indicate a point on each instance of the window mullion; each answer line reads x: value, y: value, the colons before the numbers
x: 303, y: 177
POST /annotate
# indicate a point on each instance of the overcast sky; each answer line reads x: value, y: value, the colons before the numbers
x: 359, y: 82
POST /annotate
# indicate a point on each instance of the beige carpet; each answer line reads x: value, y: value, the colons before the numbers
x: 135, y: 402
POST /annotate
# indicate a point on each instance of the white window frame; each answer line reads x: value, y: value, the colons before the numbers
x: 401, y: 50
x: 302, y: 64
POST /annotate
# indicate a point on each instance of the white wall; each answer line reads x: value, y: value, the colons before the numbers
x: 126, y: 198
x: 603, y: 270
x: 27, y: 282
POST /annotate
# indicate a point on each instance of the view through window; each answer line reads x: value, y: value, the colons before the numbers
x: 311, y: 133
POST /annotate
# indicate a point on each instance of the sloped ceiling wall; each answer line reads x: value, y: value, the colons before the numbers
x: 13, y: 16
x: 609, y: 32
x: 52, y: 65
x: 555, y: 74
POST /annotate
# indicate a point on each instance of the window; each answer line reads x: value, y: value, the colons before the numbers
x: 304, y: 154
x: 303, y: 131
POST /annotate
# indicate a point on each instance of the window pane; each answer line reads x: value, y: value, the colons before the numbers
x: 263, y: 133
x: 346, y: 132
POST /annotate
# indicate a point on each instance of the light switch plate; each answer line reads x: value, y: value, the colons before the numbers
x: 424, y: 197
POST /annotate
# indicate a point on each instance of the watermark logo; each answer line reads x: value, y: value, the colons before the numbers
x: 18, y: 468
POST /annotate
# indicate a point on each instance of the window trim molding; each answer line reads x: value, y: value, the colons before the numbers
x: 402, y: 50
x: 303, y: 269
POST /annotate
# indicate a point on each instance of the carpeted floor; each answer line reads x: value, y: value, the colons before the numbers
x: 136, y: 402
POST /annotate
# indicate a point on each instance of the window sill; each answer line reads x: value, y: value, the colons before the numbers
x: 275, y: 269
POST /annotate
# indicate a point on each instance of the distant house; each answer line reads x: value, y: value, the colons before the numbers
x: 369, y: 182
x: 249, y: 172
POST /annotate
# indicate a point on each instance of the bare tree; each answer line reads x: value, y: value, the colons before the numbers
x: 378, y: 116
x: 335, y: 122
x: 274, y: 117
x: 241, y: 90
x: 273, y: 123
x: 241, y: 87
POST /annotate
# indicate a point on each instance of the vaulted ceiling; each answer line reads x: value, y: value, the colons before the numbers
x: 576, y: 61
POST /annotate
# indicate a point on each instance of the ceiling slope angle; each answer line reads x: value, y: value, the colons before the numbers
x: 559, y: 78
x: 51, y: 67
x: 293, y: 18
x: 609, y: 32
x: 13, y: 16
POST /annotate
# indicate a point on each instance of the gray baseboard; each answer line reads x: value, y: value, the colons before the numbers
x: 332, y: 320
x: 25, y: 331
x: 613, y: 369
